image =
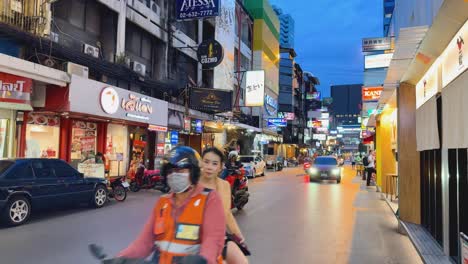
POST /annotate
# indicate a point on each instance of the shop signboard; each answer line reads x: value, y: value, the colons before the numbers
x: 174, y: 137
x: 210, y: 53
x: 371, y: 93
x: 315, y: 105
x: 157, y: 128
x: 92, y: 170
x: 211, y: 100
x: 187, y: 124
x: 455, y: 56
x: 195, y: 9
x: 271, y: 105
x: 319, y: 137
x: 377, y: 61
x: 160, y: 149
x: 197, y: 126
x: 287, y: 115
x: 376, y: 44
x: 277, y: 122
x: 255, y: 88
x: 99, y: 99
x: 428, y: 86
x: 16, y: 90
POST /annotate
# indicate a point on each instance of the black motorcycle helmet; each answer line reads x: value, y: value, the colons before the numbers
x: 182, y: 157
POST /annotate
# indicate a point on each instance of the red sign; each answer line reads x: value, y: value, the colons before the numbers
x: 157, y: 128
x: 139, y: 143
x: 160, y: 149
x: 15, y: 89
x: 371, y: 93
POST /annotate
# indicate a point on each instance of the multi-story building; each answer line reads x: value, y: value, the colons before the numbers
x: 287, y: 27
x: 113, y: 77
x: 346, y: 106
x: 266, y: 56
x: 421, y: 113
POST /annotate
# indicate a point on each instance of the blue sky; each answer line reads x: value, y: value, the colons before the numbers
x: 328, y: 36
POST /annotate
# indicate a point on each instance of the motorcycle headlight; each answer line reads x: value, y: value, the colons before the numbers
x: 336, y: 171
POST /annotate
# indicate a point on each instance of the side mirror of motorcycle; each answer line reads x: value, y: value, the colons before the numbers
x: 97, y: 251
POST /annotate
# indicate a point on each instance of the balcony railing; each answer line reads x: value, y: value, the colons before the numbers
x: 27, y: 15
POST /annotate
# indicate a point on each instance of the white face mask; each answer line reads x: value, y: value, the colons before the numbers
x: 178, y: 182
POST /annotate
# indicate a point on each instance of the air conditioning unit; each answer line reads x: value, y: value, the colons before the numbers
x: 138, y: 67
x: 77, y: 69
x: 155, y: 8
x: 91, y: 50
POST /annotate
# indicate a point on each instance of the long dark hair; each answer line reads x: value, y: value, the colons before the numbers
x: 215, y: 151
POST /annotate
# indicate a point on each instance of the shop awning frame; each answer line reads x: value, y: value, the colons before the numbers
x: 27, y: 69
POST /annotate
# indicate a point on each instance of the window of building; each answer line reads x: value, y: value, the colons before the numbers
x: 83, y: 14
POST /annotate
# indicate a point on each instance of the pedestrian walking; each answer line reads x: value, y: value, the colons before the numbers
x: 353, y: 161
x: 370, y: 167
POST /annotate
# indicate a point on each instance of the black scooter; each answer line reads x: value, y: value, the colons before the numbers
x: 98, y: 253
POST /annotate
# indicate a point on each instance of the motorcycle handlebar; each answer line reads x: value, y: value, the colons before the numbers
x: 98, y: 253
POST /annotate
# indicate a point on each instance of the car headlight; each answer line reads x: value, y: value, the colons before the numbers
x: 313, y: 170
x: 336, y: 171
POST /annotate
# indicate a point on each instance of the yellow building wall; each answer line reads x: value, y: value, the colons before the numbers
x: 386, y: 162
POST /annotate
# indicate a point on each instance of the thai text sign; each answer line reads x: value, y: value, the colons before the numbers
x: 91, y: 170
x: 15, y: 89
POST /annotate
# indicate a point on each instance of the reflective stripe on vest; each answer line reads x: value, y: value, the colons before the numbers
x: 177, y: 248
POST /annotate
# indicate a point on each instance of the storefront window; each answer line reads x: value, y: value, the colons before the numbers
x: 138, y: 141
x: 4, y: 137
x: 42, y: 136
x: 116, y: 150
x: 83, y: 149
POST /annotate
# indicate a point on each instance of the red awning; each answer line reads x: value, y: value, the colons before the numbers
x: 368, y: 140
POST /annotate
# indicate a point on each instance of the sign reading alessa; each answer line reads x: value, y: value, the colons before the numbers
x: 371, y: 93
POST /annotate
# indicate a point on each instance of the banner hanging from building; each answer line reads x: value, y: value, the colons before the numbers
x: 254, y: 88
x: 211, y: 100
x: 194, y: 9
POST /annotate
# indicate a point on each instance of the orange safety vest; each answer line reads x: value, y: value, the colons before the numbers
x: 177, y: 238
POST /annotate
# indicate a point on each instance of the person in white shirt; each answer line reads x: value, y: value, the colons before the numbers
x: 371, y: 166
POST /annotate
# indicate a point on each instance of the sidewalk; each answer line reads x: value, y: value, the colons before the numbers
x: 375, y: 234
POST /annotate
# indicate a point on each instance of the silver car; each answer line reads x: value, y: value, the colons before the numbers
x: 324, y: 168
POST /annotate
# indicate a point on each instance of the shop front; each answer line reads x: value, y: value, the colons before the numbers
x: 15, y: 97
x: 98, y: 119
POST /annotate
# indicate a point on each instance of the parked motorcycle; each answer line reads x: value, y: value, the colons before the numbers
x: 117, y: 188
x: 98, y: 253
x: 239, y: 189
x: 148, y: 179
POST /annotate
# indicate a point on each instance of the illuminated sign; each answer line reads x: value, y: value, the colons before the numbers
x: 455, y: 56
x: 377, y: 61
x: 428, y: 85
x: 319, y: 137
x: 371, y: 93
x: 376, y: 44
x: 255, y: 88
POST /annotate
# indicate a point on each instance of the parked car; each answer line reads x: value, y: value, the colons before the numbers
x: 27, y: 184
x: 275, y: 164
x: 253, y: 165
x: 324, y: 168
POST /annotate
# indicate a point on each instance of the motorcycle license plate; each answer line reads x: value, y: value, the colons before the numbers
x: 125, y: 184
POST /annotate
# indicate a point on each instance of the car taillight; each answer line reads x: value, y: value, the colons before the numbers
x: 306, y: 165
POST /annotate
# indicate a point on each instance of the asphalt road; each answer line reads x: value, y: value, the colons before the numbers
x: 287, y: 220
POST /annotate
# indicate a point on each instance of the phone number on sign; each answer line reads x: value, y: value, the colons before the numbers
x: 196, y: 14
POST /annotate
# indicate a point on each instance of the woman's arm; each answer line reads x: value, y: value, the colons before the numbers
x: 213, y: 229
x: 143, y: 245
x: 231, y: 222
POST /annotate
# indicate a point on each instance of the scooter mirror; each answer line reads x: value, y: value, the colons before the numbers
x: 97, y: 251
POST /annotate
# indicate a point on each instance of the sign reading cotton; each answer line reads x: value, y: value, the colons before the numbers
x: 194, y: 9
x: 254, y: 88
